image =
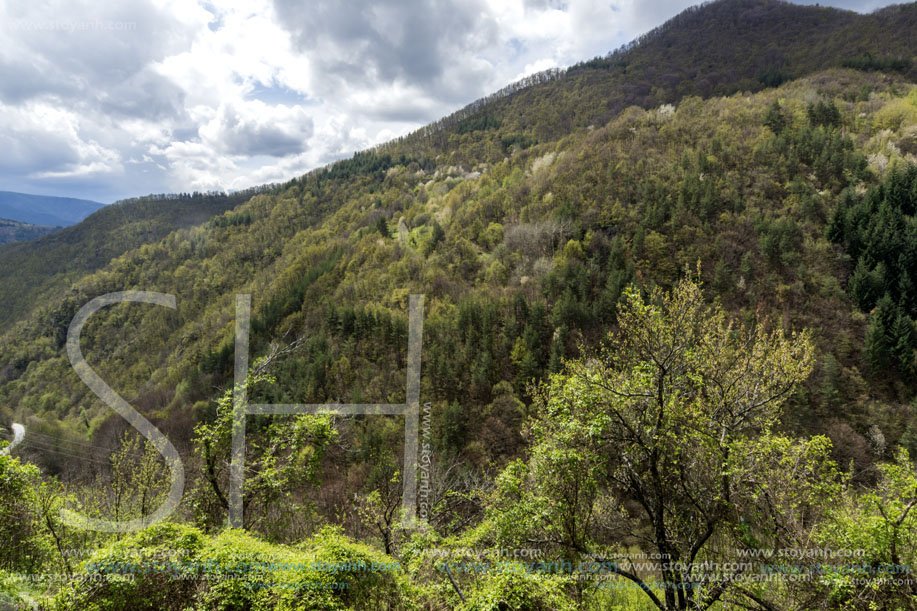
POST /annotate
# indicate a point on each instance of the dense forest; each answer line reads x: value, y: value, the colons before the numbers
x: 42, y: 271
x: 668, y: 351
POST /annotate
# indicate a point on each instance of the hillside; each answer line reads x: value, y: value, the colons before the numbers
x: 45, y: 209
x: 529, y: 258
x: 536, y: 121
x: 16, y: 231
x: 776, y: 172
x: 35, y: 273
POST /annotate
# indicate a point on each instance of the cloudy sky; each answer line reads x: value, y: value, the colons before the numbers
x: 106, y: 102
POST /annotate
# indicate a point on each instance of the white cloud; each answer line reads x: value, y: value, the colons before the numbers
x: 251, y: 127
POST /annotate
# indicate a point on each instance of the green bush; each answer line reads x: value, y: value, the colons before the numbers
x: 520, y: 591
x: 176, y: 567
x: 25, y: 543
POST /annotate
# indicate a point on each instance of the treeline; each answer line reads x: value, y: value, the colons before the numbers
x: 467, y: 114
x: 234, y: 197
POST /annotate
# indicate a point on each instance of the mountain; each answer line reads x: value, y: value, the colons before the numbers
x: 41, y: 270
x: 45, y: 209
x: 521, y: 218
x: 16, y: 231
x: 765, y: 150
x: 717, y: 48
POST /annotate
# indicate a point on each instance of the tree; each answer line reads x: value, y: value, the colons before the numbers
x: 654, y: 434
x: 878, y: 349
x: 905, y: 342
x: 378, y: 511
x: 280, y: 465
x: 824, y: 113
x: 140, y: 480
x: 775, y: 119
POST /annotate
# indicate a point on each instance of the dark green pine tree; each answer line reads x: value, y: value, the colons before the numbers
x: 907, y: 266
x: 775, y: 119
x: 866, y: 284
x: 905, y: 341
x: 877, y: 348
x: 825, y: 114
x: 382, y: 227
x: 879, y: 344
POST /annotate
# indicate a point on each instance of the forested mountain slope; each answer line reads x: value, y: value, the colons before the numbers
x: 522, y: 220
x: 716, y: 48
x: 519, y: 261
x: 33, y: 274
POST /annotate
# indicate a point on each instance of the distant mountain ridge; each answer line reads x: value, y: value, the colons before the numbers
x: 45, y: 209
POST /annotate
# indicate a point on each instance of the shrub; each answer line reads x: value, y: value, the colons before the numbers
x: 25, y: 543
x: 176, y: 567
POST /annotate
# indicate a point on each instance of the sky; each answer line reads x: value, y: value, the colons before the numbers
x: 108, y: 100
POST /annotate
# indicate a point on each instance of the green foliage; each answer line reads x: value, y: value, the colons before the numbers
x: 139, y: 480
x: 879, y: 232
x: 773, y: 77
x: 775, y: 118
x: 881, y: 526
x: 867, y: 62
x: 170, y: 566
x: 824, y: 114
x: 231, y: 219
x: 780, y: 240
x: 656, y: 434
x: 519, y: 141
x: 484, y: 122
x: 285, y: 458
x: 517, y: 589
x: 26, y: 544
x: 366, y: 163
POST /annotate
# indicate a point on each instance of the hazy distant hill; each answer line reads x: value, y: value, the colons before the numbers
x: 17, y: 231
x: 45, y: 209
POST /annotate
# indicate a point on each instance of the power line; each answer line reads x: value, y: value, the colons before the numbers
x: 74, y: 441
x: 65, y: 441
x: 39, y: 444
x: 30, y: 445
